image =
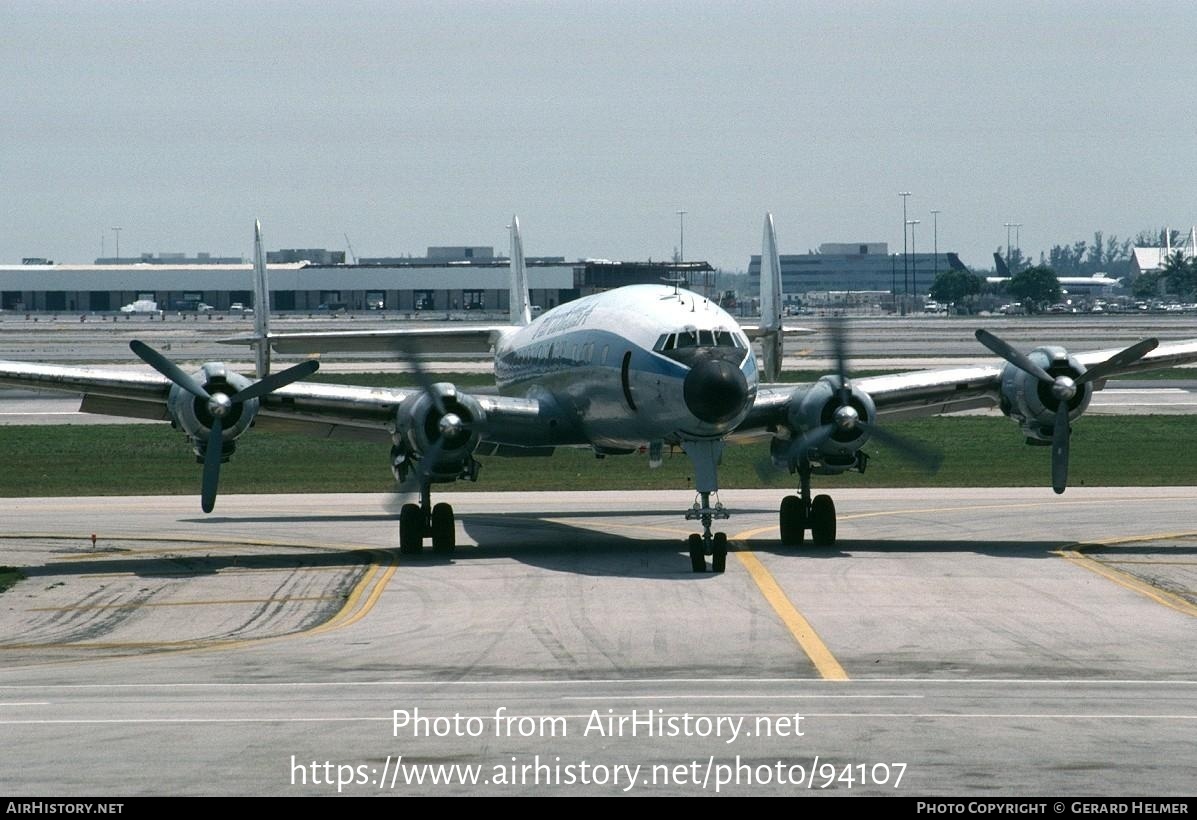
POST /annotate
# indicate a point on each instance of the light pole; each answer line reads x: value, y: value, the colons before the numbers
x: 1017, y: 241
x: 681, y: 236
x: 905, y: 263
x: 117, y: 231
x: 1008, y: 225
x: 914, y: 268
x: 935, y: 238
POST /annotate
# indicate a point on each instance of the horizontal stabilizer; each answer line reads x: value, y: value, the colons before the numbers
x: 478, y: 339
x: 788, y: 330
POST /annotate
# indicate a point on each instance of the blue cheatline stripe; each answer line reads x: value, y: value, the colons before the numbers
x: 510, y: 369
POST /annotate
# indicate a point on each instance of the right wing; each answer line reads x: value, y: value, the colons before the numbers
x: 321, y: 410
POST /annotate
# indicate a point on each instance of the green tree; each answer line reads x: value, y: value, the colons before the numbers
x: 1035, y: 287
x: 955, y: 286
x: 1146, y: 285
x: 1179, y: 275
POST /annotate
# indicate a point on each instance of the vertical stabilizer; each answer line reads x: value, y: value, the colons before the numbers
x: 771, y: 326
x: 999, y: 264
x: 521, y: 305
x: 261, y: 306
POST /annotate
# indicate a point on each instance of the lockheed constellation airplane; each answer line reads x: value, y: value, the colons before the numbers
x: 630, y: 370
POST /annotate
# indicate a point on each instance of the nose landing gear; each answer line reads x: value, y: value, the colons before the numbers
x: 713, y: 544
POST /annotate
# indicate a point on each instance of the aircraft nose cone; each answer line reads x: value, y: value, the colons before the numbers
x: 715, y: 390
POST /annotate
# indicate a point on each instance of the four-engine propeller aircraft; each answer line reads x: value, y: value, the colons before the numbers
x: 634, y: 369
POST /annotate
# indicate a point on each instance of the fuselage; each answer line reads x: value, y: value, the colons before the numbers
x: 634, y: 366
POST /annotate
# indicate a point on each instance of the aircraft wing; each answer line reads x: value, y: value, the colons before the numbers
x: 406, y: 341
x: 321, y: 410
x: 946, y: 390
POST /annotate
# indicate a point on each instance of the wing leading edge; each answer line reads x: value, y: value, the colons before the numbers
x: 321, y: 410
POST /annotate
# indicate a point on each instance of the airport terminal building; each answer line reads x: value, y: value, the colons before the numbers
x: 857, y: 267
x: 448, y: 279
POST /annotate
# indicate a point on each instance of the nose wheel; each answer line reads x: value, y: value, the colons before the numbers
x: 708, y: 543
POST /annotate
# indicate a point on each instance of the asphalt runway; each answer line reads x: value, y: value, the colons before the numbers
x: 970, y: 642
x: 887, y: 341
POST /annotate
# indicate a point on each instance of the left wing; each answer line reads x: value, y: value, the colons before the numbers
x: 948, y: 390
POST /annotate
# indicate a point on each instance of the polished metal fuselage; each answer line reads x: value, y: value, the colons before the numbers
x: 594, y: 360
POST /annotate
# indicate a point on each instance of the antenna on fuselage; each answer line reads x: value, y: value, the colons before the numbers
x: 676, y: 281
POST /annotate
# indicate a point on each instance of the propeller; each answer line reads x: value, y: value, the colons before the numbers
x: 449, y: 426
x: 847, y: 418
x: 220, y: 404
x: 1064, y: 388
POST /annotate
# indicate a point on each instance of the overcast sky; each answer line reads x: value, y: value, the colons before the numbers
x: 415, y: 124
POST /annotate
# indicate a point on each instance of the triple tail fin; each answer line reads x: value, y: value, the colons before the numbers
x: 521, y: 304
x: 261, y: 342
x: 771, y: 330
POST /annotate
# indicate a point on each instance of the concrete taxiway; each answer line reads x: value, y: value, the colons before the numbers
x: 983, y: 642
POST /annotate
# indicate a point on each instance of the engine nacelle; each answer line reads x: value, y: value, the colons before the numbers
x: 1033, y: 403
x: 440, y: 427
x: 191, y: 414
x: 819, y: 407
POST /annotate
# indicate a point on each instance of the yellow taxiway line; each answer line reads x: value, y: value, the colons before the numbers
x: 358, y: 603
x: 800, y: 628
x: 1075, y: 553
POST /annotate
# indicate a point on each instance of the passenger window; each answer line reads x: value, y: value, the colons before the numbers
x: 603, y: 357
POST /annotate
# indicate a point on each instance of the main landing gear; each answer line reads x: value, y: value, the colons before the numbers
x: 800, y: 513
x: 715, y: 544
x: 419, y: 520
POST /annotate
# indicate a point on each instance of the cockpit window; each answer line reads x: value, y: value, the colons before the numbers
x: 667, y: 342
